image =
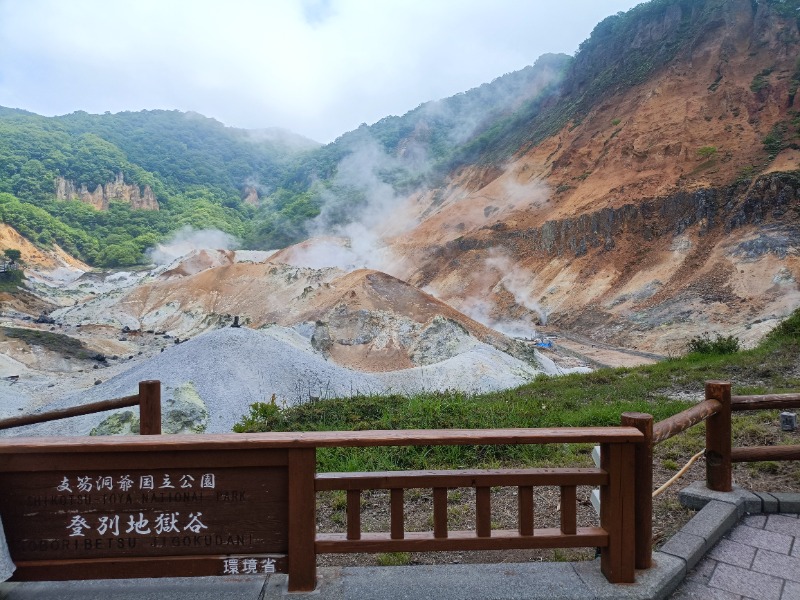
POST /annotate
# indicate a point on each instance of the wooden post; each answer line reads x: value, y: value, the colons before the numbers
x: 643, y: 504
x: 617, y: 560
x: 718, y: 438
x: 149, y: 407
x: 302, y: 520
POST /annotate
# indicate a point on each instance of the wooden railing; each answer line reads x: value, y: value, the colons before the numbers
x: 715, y: 410
x: 614, y: 477
x: 148, y: 400
x: 282, y: 466
x: 764, y: 402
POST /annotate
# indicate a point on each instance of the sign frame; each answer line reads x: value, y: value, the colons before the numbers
x: 263, y: 509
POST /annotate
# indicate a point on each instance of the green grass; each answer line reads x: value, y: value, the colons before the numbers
x: 56, y: 342
x: 594, y: 399
x: 393, y: 559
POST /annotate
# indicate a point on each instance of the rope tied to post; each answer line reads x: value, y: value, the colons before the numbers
x: 679, y: 474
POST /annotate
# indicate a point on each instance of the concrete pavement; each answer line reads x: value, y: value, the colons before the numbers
x: 759, y: 559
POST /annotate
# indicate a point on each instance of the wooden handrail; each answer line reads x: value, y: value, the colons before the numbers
x: 454, y: 479
x: 324, y: 439
x: 671, y: 426
x: 426, y: 541
x: 717, y: 409
x: 148, y: 400
x: 764, y: 402
x: 73, y: 411
x: 759, y: 453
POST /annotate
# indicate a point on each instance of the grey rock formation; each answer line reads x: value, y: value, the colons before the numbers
x: 115, y: 190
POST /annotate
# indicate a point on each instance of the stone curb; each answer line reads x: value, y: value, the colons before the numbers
x: 702, y: 531
x: 696, y: 495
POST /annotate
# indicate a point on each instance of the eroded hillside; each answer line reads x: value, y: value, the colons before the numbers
x: 667, y: 210
x: 641, y: 192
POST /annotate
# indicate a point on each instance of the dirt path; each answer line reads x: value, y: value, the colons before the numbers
x: 599, y: 354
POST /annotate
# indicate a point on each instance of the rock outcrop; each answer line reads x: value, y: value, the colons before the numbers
x: 115, y: 190
x: 769, y: 199
x: 250, y: 196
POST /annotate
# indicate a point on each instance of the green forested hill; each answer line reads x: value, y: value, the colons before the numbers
x: 170, y: 150
x: 198, y: 168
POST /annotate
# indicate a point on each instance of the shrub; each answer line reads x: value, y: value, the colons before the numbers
x: 11, y: 280
x: 759, y: 83
x: 704, y: 344
x: 789, y: 327
x: 774, y: 141
x: 706, y: 152
x: 264, y: 416
x: 12, y: 254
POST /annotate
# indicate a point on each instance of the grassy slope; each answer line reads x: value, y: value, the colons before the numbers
x: 598, y: 398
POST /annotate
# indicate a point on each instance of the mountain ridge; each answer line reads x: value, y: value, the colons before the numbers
x: 581, y: 191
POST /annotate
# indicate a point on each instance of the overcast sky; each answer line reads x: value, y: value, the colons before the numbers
x: 316, y: 67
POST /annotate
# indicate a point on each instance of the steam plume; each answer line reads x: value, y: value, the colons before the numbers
x: 360, y: 243
x: 188, y: 239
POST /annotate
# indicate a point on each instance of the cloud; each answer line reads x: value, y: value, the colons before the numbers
x: 317, y: 67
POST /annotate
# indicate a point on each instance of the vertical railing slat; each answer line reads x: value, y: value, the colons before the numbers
x: 483, y: 511
x: 525, y: 502
x: 440, y: 512
x: 353, y: 514
x: 397, y: 514
x: 569, y: 509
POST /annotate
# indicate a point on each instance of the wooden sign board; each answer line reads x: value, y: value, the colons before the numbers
x: 146, y: 515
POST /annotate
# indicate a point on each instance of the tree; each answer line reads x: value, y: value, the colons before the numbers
x: 12, y: 254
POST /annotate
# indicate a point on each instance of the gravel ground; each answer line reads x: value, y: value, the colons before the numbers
x: 231, y: 368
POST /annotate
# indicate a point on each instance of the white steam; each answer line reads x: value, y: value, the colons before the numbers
x: 498, y: 273
x: 518, y: 282
x: 187, y: 239
x: 360, y: 243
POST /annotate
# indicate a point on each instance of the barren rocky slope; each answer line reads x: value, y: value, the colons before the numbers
x: 619, y: 225
x: 209, y: 382
x: 221, y: 332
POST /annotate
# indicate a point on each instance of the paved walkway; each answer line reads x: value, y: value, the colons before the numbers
x: 759, y: 559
